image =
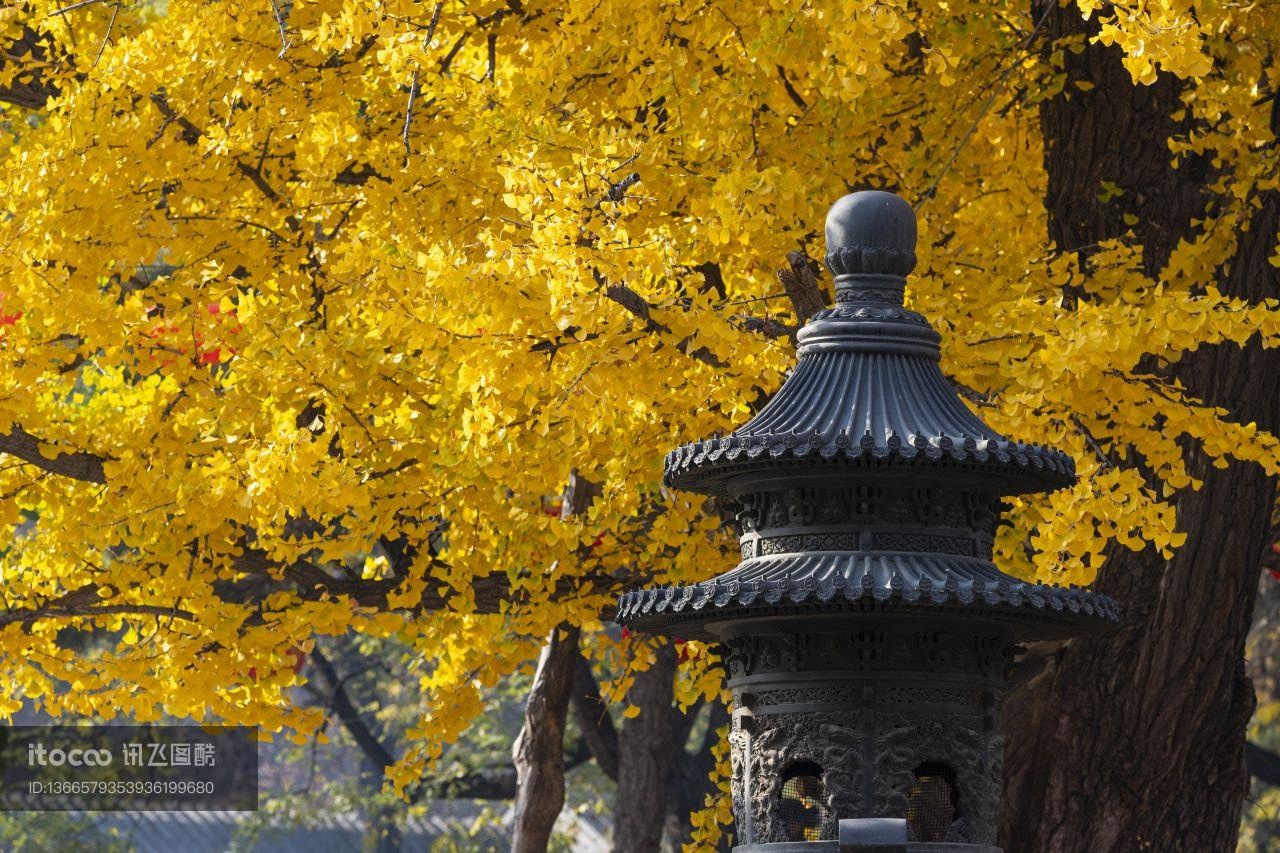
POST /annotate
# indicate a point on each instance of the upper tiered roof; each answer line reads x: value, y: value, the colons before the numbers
x: 866, y: 483
x: 868, y: 390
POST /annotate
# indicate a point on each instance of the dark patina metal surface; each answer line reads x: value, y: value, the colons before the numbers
x: 866, y: 634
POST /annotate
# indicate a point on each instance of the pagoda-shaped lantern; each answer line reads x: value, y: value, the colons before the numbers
x: 867, y: 636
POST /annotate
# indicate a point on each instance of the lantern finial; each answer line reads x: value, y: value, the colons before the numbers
x: 870, y: 235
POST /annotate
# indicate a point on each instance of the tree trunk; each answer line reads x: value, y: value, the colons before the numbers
x: 648, y: 750
x: 1134, y: 739
x: 538, y: 752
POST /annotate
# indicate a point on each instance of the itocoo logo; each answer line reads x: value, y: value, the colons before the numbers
x: 37, y: 754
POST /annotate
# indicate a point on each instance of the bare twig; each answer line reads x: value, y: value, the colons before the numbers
x: 107, y: 37
x: 285, y: 41
x: 65, y: 9
x: 1107, y: 464
x: 431, y: 26
x: 493, y: 57
x: 998, y: 88
x: 737, y: 30
x: 796, y: 97
x: 748, y: 300
x: 387, y: 472
x: 408, y: 112
x: 573, y: 386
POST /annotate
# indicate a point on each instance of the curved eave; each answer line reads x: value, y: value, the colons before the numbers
x: 708, y: 466
x: 839, y: 582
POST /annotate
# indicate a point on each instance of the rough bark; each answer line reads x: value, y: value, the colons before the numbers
x: 538, y: 752
x: 799, y: 280
x: 1134, y: 739
x: 578, y: 495
x: 648, y: 752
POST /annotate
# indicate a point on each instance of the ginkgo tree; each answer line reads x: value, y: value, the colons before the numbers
x: 307, y: 306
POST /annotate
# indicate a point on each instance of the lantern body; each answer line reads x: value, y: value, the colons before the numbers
x: 867, y: 635
x: 875, y: 717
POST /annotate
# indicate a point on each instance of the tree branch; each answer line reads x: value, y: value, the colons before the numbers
x: 348, y: 714
x: 76, y: 464
x: 592, y: 713
x: 285, y: 41
x: 65, y: 9
x: 111, y: 25
x: 58, y: 611
x: 190, y: 133
x: 638, y: 306
x: 262, y: 574
x: 791, y: 90
x: 489, y: 783
x: 800, y: 280
x: 33, y: 89
x: 408, y: 113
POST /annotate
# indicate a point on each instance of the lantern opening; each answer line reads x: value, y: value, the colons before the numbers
x: 802, y: 802
x: 932, y: 802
